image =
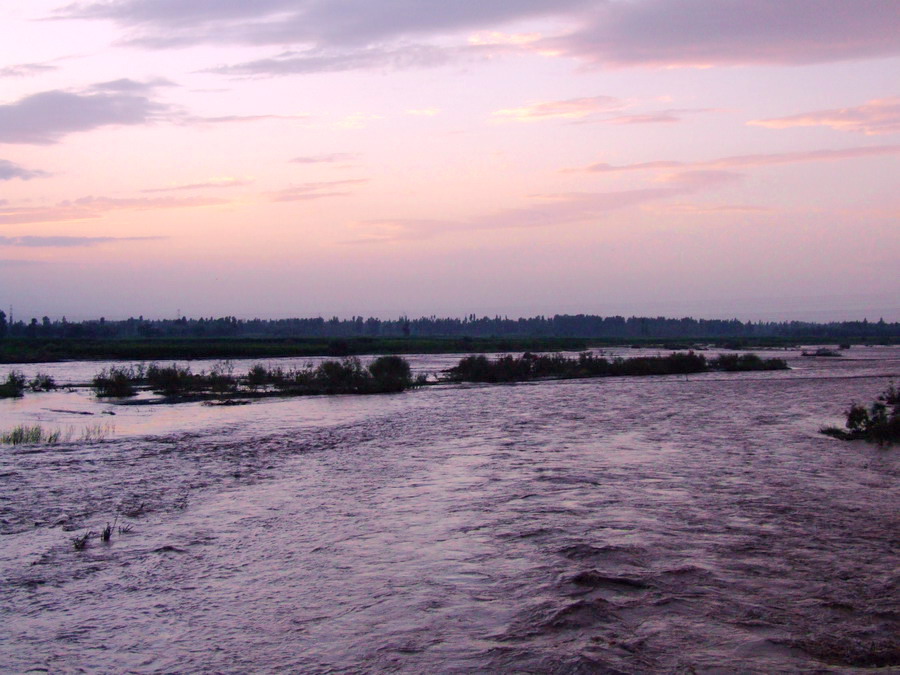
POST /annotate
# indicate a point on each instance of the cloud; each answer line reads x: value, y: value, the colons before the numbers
x: 322, y: 23
x: 739, y: 161
x: 593, y: 110
x: 573, y: 108
x: 310, y: 191
x: 66, y: 242
x: 46, y: 117
x: 671, y: 33
x: 8, y: 171
x: 342, y: 35
x: 211, y: 183
x: 364, y: 58
x: 878, y: 116
x: 26, y: 69
x: 707, y: 209
x: 95, y: 207
x: 331, y: 158
x: 229, y: 119
x: 548, y: 210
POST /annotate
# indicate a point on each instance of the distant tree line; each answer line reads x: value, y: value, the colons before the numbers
x: 559, y: 325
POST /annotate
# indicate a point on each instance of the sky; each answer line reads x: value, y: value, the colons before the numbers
x: 276, y: 158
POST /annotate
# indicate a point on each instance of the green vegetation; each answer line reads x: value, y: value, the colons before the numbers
x: 24, y: 433
x: 36, y: 434
x: 14, y: 386
x: 744, y: 362
x: 163, y: 349
x: 117, y: 381
x: 879, y: 423
x: 179, y: 383
x: 42, y: 382
x: 478, y: 368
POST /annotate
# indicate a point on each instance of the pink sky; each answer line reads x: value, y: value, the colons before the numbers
x: 304, y: 157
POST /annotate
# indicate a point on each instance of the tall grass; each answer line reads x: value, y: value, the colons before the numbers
x: 36, y: 434
x: 26, y: 434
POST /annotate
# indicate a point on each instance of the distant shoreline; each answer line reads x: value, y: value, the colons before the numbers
x: 24, y: 350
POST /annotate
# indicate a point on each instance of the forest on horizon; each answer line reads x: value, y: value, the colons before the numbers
x: 556, y: 326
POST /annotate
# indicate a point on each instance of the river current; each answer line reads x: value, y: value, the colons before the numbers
x: 619, y: 525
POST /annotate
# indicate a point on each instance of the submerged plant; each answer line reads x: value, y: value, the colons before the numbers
x: 80, y: 542
x: 97, y: 432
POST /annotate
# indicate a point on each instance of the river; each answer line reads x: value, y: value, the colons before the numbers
x: 616, y: 525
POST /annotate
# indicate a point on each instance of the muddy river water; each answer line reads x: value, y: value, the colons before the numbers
x: 618, y: 525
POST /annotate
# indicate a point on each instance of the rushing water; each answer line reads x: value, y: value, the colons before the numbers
x: 661, y: 524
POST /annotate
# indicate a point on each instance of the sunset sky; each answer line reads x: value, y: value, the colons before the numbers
x: 271, y: 158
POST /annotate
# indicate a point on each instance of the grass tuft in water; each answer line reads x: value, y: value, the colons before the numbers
x: 28, y: 434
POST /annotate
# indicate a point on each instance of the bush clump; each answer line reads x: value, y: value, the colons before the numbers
x: 42, y: 382
x: 478, y: 368
x: 116, y: 381
x: 14, y: 386
x: 171, y: 380
x: 390, y: 373
x: 879, y: 423
x: 746, y: 362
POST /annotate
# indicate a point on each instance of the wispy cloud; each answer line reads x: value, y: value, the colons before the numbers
x: 8, y: 171
x: 879, y: 116
x: 707, y: 209
x: 547, y: 210
x: 95, y: 207
x: 594, y: 110
x: 237, y: 119
x: 67, y: 242
x: 330, y: 158
x: 46, y: 117
x: 318, y: 190
x: 327, y: 36
x: 673, y: 33
x: 27, y: 69
x: 573, y: 108
x: 739, y: 161
x: 322, y: 23
x: 211, y: 183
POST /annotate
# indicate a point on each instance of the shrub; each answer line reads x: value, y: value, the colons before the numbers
x: 14, y: 386
x: 42, y: 382
x: 346, y: 375
x: 221, y: 378
x: 169, y: 381
x: 390, y: 373
x: 116, y: 381
x: 879, y: 423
